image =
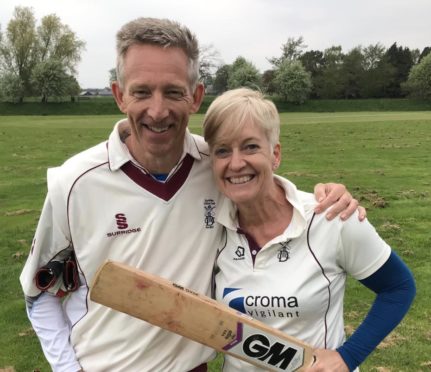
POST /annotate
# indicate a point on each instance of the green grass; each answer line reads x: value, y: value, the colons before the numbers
x: 382, y: 157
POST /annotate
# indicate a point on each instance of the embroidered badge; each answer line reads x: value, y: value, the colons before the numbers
x: 284, y: 252
x: 209, y: 210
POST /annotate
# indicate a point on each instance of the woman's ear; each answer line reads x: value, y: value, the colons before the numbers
x: 276, y: 156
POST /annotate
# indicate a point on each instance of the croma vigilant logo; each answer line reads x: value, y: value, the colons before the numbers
x: 236, y: 303
x: 262, y: 306
x: 122, y: 225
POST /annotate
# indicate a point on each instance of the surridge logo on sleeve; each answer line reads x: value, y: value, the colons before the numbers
x: 122, y: 226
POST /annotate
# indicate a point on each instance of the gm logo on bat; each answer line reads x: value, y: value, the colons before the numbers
x: 266, y: 350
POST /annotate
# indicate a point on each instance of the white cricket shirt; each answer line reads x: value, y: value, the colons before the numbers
x: 297, y: 281
x: 106, y: 207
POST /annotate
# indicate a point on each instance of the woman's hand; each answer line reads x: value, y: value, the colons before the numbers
x: 327, y: 361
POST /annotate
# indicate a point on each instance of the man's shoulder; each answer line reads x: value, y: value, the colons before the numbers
x: 78, y: 164
x: 91, y: 156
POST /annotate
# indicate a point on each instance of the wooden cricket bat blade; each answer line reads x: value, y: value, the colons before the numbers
x: 180, y: 310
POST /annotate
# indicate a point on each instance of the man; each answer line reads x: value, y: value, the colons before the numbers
x: 145, y: 197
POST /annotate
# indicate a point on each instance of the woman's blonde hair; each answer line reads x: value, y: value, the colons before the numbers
x: 231, y: 111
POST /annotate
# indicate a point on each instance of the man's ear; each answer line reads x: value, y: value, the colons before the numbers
x: 198, y: 97
x: 118, y: 95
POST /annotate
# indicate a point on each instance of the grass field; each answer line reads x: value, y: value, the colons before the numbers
x: 383, y: 158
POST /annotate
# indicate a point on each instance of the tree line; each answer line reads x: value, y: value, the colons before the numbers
x: 363, y: 72
x: 38, y: 60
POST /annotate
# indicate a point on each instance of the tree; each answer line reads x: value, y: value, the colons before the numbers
x: 313, y: 62
x: 58, y: 42
x: 268, y: 83
x: 424, y: 53
x: 11, y: 87
x: 24, y: 47
x: 209, y: 59
x: 243, y: 74
x: 291, y: 51
x: 52, y: 80
x: 330, y: 84
x: 378, y: 72
x: 72, y: 87
x: 416, y: 54
x: 419, y: 80
x: 18, y: 48
x: 372, y: 56
x: 402, y: 61
x: 292, y: 82
x: 352, y: 72
x: 221, y: 79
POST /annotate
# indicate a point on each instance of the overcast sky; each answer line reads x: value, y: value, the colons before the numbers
x: 254, y: 29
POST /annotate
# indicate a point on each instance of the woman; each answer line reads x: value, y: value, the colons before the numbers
x: 280, y: 262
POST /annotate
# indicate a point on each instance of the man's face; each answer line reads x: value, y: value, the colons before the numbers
x: 158, y: 100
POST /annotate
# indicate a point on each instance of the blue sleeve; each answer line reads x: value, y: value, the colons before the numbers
x: 395, y: 288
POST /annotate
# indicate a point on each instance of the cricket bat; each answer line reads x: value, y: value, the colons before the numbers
x: 180, y: 310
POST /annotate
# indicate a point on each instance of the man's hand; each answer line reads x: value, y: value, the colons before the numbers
x: 343, y: 203
x: 327, y: 361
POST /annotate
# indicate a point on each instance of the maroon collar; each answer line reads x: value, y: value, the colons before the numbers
x: 164, y: 190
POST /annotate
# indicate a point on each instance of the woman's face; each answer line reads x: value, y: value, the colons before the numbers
x: 243, y: 163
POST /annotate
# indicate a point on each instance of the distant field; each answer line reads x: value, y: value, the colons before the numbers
x: 382, y: 157
x: 107, y: 106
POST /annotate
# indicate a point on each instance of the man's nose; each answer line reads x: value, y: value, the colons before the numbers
x: 157, y: 109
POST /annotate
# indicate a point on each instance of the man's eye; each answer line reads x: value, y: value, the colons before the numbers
x: 141, y: 94
x: 175, y: 94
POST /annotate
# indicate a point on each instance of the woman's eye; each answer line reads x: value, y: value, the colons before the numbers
x: 252, y: 147
x: 221, y: 152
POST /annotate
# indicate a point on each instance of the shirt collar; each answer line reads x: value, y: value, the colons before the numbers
x: 227, y: 213
x: 119, y: 154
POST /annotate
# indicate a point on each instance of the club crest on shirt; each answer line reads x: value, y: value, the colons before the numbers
x: 284, y: 252
x: 209, y: 213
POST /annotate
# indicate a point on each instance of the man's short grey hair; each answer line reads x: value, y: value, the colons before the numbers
x: 160, y: 32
